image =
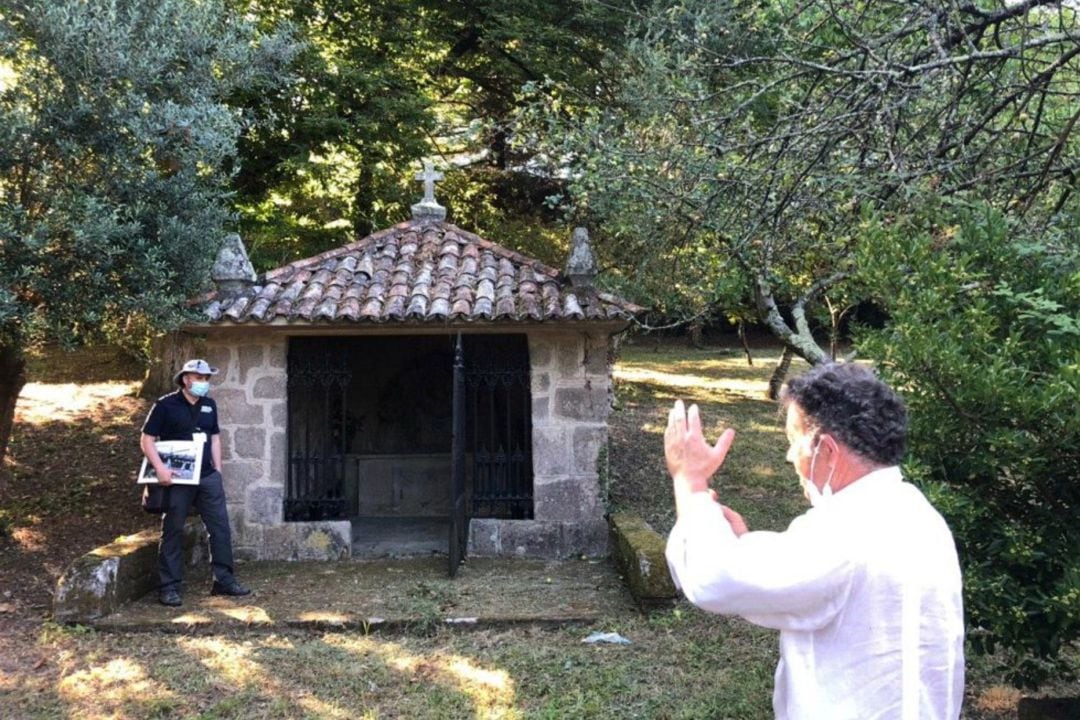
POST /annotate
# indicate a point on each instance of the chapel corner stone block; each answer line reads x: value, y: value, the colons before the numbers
x: 250, y: 443
x: 308, y: 541
x: 568, y: 499
x: 270, y: 387
x: 234, y: 408
x: 588, y: 404
x: 265, y: 504
x: 549, y: 451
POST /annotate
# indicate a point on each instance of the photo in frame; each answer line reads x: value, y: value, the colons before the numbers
x: 183, y: 457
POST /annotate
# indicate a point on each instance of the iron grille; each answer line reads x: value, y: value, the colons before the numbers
x: 318, y: 377
x: 497, y: 382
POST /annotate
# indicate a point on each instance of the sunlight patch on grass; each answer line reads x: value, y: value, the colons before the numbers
x: 654, y: 428
x: 28, y: 539
x: 117, y: 681
x: 44, y: 402
x: 230, y: 660
x: 322, y: 709
x: 249, y: 614
x: 491, y: 691
x: 998, y: 698
x: 774, y: 427
x: 324, y: 616
x: 190, y: 619
x: 697, y: 382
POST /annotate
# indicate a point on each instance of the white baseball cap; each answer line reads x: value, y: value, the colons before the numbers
x: 199, y: 367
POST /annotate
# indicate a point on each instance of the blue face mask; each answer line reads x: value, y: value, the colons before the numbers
x: 200, y: 388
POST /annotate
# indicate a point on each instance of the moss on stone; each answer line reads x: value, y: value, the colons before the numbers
x: 98, y: 582
x: 639, y: 554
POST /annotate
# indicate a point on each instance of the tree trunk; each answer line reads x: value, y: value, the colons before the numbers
x: 800, y: 341
x: 697, y: 333
x: 170, y: 351
x: 12, y: 379
x: 745, y: 345
x: 779, y: 373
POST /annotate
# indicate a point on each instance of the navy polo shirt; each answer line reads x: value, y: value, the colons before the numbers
x: 174, y: 418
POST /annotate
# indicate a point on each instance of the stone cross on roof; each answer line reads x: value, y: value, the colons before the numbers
x: 428, y: 208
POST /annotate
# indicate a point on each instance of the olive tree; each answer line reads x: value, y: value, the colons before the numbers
x: 116, y: 147
x: 747, y: 138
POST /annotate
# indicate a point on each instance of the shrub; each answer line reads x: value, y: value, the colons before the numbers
x: 984, y: 343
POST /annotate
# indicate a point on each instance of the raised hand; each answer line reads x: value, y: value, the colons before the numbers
x: 690, y: 459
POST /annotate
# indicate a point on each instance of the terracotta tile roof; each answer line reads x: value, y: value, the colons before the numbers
x: 415, y: 272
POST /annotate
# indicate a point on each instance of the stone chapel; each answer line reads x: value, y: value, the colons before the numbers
x: 421, y: 390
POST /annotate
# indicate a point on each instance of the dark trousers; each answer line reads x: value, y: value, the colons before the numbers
x: 208, y: 498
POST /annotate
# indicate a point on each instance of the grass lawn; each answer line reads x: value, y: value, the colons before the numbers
x: 681, y: 663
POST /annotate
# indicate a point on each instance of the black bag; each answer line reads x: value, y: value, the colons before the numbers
x: 155, y: 498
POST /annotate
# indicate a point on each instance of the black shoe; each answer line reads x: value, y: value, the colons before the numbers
x: 233, y: 589
x: 170, y: 597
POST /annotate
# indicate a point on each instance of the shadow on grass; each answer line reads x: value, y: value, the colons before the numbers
x: 681, y: 663
x: 277, y: 676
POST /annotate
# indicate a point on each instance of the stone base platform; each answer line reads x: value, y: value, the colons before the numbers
x: 387, y: 595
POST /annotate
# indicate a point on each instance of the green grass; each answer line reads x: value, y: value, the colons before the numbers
x: 679, y: 666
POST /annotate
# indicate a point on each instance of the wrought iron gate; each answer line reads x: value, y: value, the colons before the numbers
x: 459, y: 522
x: 491, y: 446
x: 499, y: 411
x: 318, y: 378
x: 492, y: 440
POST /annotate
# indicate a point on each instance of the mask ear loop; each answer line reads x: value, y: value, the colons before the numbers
x: 826, y: 489
x: 813, y: 459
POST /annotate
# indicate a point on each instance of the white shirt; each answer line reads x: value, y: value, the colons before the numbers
x: 864, y: 589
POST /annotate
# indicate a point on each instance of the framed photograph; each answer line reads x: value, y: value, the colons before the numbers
x: 183, y: 457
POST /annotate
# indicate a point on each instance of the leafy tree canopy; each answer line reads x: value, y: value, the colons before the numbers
x: 115, y: 144
x: 984, y: 340
x: 382, y: 85
x: 755, y: 133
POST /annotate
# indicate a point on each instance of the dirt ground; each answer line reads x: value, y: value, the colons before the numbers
x: 66, y: 486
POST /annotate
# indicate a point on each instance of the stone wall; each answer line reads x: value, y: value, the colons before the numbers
x: 571, y: 397
x: 250, y: 390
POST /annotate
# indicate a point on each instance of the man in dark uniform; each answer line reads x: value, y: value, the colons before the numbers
x: 188, y: 414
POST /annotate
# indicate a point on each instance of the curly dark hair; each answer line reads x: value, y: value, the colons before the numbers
x: 852, y: 404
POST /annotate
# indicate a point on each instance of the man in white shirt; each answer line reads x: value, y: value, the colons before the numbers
x: 864, y: 587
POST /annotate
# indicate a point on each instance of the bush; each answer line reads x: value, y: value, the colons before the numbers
x: 984, y: 344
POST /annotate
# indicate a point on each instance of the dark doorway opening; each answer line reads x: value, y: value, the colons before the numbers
x: 372, y: 436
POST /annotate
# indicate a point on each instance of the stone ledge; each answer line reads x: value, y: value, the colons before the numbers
x: 639, y: 555
x: 105, y: 578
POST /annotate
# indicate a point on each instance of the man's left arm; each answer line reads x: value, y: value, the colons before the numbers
x: 215, y: 438
x: 215, y: 451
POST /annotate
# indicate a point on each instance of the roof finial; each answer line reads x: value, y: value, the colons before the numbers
x: 428, y: 208
x: 581, y: 265
x: 232, y: 271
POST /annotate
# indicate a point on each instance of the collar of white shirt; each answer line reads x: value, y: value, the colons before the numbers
x: 867, y: 486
